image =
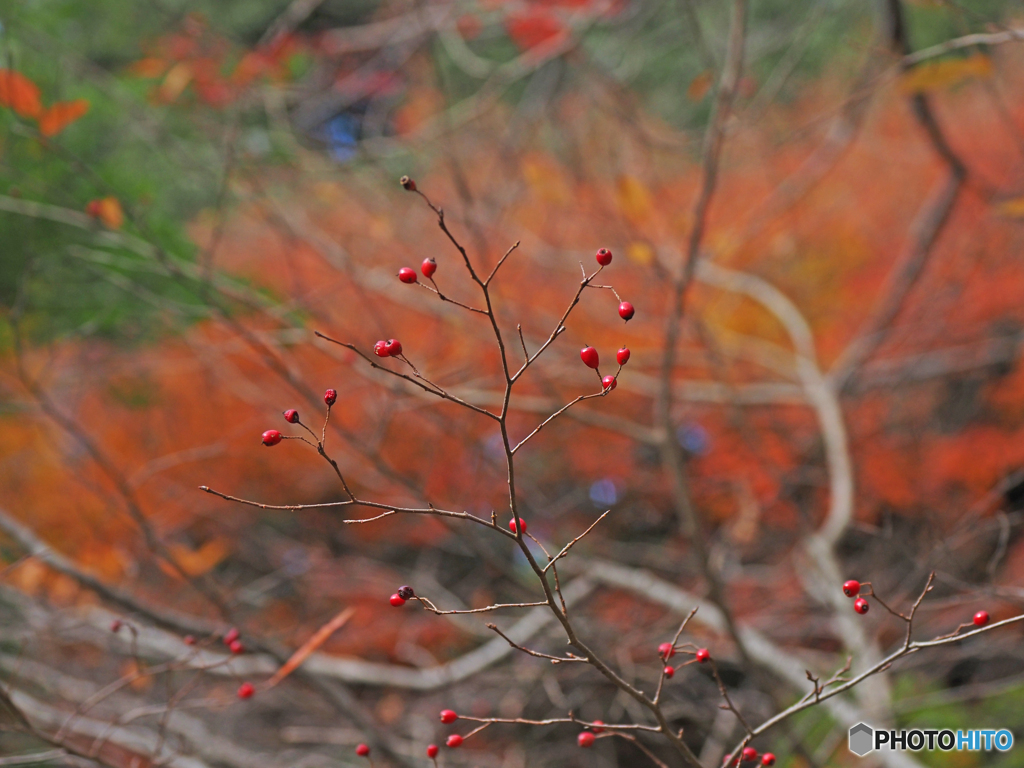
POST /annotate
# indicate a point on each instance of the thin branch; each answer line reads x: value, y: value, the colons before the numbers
x: 560, y: 325
x: 538, y: 654
x: 572, y: 719
x: 640, y: 745
x: 526, y: 355
x: 556, y: 414
x: 419, y: 381
x: 500, y: 262
x: 428, y: 605
x: 567, y: 547
x: 389, y: 510
x: 448, y: 299
x: 967, y: 41
x: 880, y: 666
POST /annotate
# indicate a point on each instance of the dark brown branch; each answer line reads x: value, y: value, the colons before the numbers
x: 538, y: 654
x: 418, y: 381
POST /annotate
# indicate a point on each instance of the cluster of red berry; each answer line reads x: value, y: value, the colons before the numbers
x: 749, y: 755
x: 626, y: 310
x: 402, y: 595
x: 852, y: 587
x: 389, y: 348
x: 667, y: 650
x: 233, y: 642
x: 587, y: 738
x: 408, y: 274
x: 273, y: 436
x: 591, y: 359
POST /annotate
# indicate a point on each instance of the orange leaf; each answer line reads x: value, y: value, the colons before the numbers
x: 148, y: 68
x: 194, y: 562
x: 946, y: 73
x: 530, y: 30
x: 60, y: 115
x: 19, y: 93
x: 319, y: 638
x: 111, y: 214
x: 700, y: 85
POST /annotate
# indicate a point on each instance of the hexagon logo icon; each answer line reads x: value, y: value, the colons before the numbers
x: 862, y: 739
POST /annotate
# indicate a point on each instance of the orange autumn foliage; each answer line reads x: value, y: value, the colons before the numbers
x: 19, y: 93
x: 208, y: 396
x: 61, y: 114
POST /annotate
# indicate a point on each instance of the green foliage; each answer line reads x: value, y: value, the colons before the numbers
x: 161, y: 164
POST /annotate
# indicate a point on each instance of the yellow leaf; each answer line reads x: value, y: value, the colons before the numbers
x: 319, y: 638
x: 633, y: 198
x: 545, y: 180
x: 176, y: 80
x: 700, y: 85
x: 110, y: 212
x: 640, y: 252
x: 196, y: 562
x: 1014, y: 208
x: 60, y: 115
x: 945, y: 73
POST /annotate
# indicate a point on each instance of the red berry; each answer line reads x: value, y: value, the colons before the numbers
x: 406, y: 592
x: 851, y: 588
x: 232, y: 635
x: 604, y: 257
x: 236, y: 647
x: 666, y: 651
x: 291, y: 416
x: 380, y: 349
x: 428, y: 267
x: 407, y: 183
x: 589, y: 357
x: 397, y: 601
x: 596, y: 727
x: 669, y: 671
x: 609, y: 383
x: 330, y: 397
x: 271, y: 437
x: 585, y: 739
x: 432, y: 751
x: 245, y: 690
x: 448, y: 716
x: 622, y: 356
x: 512, y: 525
x: 93, y: 208
x: 115, y: 625
x: 860, y: 605
x: 626, y: 311
x: 702, y: 655
x: 189, y: 640
x: 981, y: 618
x: 748, y: 753
x: 767, y: 759
x: 407, y: 275
x: 454, y: 741
x: 362, y: 750
x: 393, y: 347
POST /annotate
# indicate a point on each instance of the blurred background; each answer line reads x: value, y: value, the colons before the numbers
x: 190, y: 189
